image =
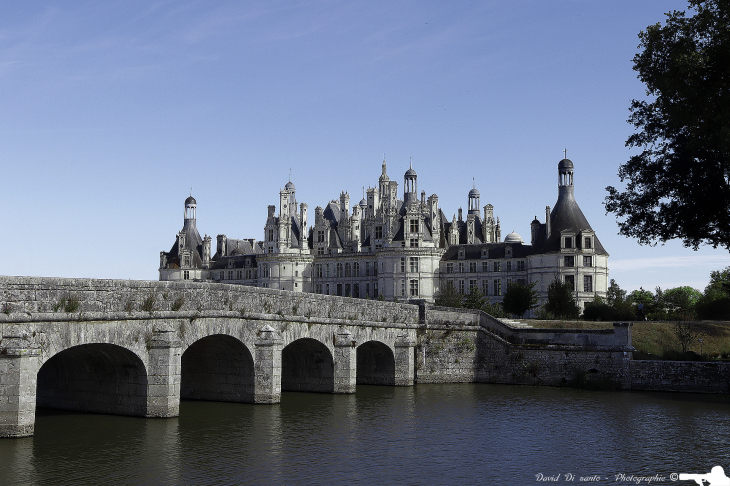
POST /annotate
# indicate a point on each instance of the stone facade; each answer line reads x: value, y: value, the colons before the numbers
x: 397, y: 249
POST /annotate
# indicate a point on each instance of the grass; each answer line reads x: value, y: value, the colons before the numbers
x: 657, y: 338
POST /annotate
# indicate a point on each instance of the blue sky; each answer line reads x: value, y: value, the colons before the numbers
x: 112, y: 111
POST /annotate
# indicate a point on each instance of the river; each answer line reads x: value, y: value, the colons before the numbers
x: 426, y: 434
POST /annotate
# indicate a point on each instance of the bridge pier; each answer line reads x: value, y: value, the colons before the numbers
x: 345, y: 362
x: 18, y: 375
x: 267, y: 366
x: 404, y: 360
x: 163, y: 375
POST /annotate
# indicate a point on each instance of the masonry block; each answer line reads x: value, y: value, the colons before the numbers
x: 267, y: 366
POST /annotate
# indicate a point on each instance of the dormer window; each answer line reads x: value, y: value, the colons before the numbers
x: 485, y: 253
x: 568, y: 242
x: 461, y: 254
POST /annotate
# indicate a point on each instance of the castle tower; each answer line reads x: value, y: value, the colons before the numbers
x: 473, y: 201
x: 410, y: 189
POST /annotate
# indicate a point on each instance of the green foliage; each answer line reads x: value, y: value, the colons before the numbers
x: 677, y: 186
x: 148, y: 304
x: 679, y: 302
x: 448, y: 296
x: 686, y: 333
x: 719, y: 285
x: 179, y: 302
x: 475, y: 299
x: 520, y: 298
x: 68, y: 304
x: 7, y: 309
x: 561, y: 302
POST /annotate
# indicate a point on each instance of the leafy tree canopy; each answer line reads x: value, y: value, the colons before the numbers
x: 679, y: 185
x: 448, y: 296
x: 520, y: 298
x: 561, y: 302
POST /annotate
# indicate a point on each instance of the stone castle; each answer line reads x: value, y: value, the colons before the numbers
x: 400, y: 249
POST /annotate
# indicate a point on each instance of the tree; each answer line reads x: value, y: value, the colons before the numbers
x: 686, y: 333
x: 561, y: 302
x: 520, y: 298
x: 679, y: 185
x: 448, y: 296
x: 681, y: 301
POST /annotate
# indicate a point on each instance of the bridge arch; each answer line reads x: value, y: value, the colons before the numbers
x: 217, y: 368
x: 375, y: 364
x: 307, y: 365
x: 98, y: 377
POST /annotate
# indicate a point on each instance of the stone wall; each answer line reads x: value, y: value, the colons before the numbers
x: 680, y: 376
x: 79, y: 296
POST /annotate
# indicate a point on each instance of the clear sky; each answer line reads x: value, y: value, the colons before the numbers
x: 112, y: 111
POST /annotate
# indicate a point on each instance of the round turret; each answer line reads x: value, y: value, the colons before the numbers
x: 474, y: 192
x: 290, y: 186
x: 190, y: 200
x: 190, y: 206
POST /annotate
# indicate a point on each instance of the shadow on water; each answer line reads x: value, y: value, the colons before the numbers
x: 426, y: 434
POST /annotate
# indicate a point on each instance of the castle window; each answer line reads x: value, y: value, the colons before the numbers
x: 348, y: 270
x: 568, y: 242
x: 403, y: 288
x: 318, y: 271
x: 485, y: 287
x: 320, y: 251
x: 414, y: 288
x: 327, y: 289
x: 570, y: 281
x: 186, y: 260
x: 347, y: 290
x: 587, y: 283
x: 472, y: 286
x: 414, y: 242
x: 367, y: 269
x: 318, y: 288
x: 473, y: 267
x: 327, y: 267
x: 414, y: 264
x: 403, y: 264
x: 339, y: 289
x: 271, y: 235
x: 378, y: 232
x: 485, y: 268
x: 461, y: 267
x: 509, y: 266
x: 461, y: 254
x: 521, y: 266
x: 569, y: 261
x: 587, y: 245
x: 265, y: 270
x: 356, y: 269
x: 320, y: 236
x: 248, y: 274
x: 355, y: 290
x: 587, y: 261
x: 339, y: 272
x: 248, y: 262
x: 296, y: 273
x: 186, y: 275
x: 239, y: 274
x: 449, y: 268
x: 414, y: 226
x: 375, y: 289
x: 496, y: 269
x: 461, y: 286
x: 230, y: 275
x: 223, y: 276
x: 497, y: 287
x: 367, y: 289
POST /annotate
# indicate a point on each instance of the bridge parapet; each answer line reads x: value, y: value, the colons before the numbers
x: 31, y: 295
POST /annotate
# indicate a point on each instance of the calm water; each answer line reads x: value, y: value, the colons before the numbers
x: 427, y: 434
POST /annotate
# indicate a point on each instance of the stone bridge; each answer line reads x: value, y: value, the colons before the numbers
x: 137, y: 348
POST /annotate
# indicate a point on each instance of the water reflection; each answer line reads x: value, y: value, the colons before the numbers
x: 447, y: 434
